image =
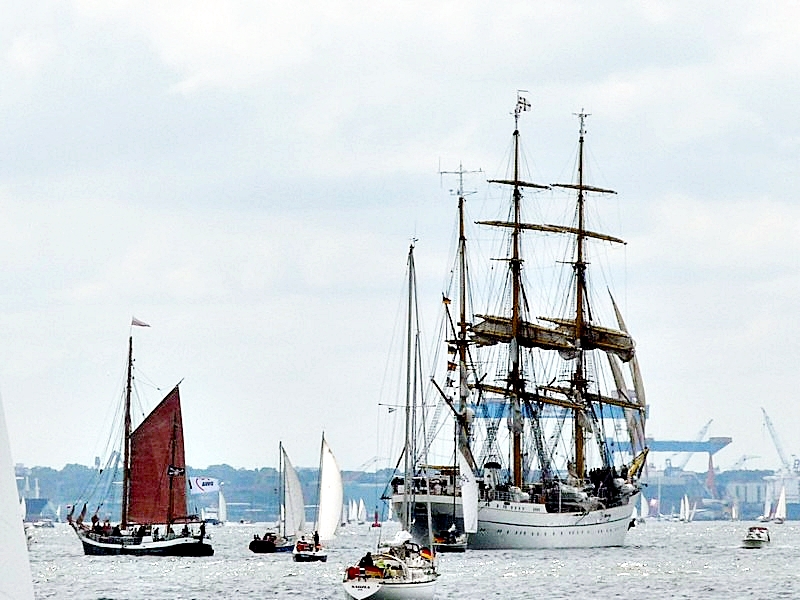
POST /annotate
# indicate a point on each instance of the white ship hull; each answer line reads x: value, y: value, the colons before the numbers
x: 525, y: 525
x: 518, y: 525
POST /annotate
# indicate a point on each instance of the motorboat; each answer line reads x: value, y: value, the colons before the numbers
x: 756, y: 537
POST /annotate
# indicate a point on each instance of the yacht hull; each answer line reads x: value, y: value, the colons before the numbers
x: 384, y: 589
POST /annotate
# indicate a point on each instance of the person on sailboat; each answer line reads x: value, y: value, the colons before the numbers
x: 202, y: 530
x: 316, y: 540
x: 366, y: 561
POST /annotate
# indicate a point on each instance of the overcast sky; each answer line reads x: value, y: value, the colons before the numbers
x: 246, y: 176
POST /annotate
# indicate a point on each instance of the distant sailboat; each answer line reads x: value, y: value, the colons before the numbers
x: 292, y: 519
x: 767, y: 510
x: 362, y: 512
x: 780, y: 508
x: 687, y: 510
x: 352, y: 511
x: 222, y: 508
x: 16, y: 582
x: 329, y: 509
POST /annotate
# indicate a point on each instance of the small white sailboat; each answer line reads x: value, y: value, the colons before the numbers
x: 292, y: 519
x: 16, y: 582
x: 329, y: 509
x: 401, y: 569
x: 222, y: 509
x: 683, y: 515
x: 352, y: 511
x: 767, y: 511
x: 780, y: 508
x: 361, y: 517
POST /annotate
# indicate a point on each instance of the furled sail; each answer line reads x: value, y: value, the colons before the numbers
x: 636, y: 423
x: 493, y: 330
x: 157, y: 455
x: 633, y: 418
x: 295, y: 506
x: 596, y: 337
x: 331, y: 494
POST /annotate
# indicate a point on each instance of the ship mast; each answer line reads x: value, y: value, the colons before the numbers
x: 126, y: 463
x: 173, y: 471
x: 462, y: 432
x: 579, y: 379
x: 281, y: 492
x: 515, y: 381
x: 579, y: 389
x: 408, y: 480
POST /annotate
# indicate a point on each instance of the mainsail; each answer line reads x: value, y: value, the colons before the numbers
x: 158, y: 465
x: 294, y: 504
x: 331, y: 494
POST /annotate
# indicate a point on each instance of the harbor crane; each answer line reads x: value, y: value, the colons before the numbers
x: 786, y: 465
x: 688, y: 455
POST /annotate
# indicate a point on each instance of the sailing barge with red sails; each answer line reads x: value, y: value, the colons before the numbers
x: 154, y: 518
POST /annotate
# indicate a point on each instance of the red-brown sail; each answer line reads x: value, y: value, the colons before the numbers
x: 157, y: 451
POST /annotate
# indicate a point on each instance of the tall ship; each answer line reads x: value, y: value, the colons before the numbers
x: 154, y: 519
x: 548, y: 413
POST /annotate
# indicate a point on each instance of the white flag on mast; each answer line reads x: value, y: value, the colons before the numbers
x: 137, y: 323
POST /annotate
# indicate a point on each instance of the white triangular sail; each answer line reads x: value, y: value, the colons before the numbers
x: 362, y: 511
x: 780, y: 508
x: 352, y: 511
x: 222, y: 513
x: 331, y: 494
x: 469, y: 494
x: 16, y: 582
x: 684, y: 514
x: 294, y: 505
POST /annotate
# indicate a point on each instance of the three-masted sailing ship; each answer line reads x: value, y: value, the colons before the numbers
x: 153, y: 502
x: 555, y: 477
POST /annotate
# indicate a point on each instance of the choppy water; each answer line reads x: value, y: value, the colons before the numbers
x: 660, y: 560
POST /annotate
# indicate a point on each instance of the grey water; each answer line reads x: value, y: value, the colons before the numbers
x: 659, y: 560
